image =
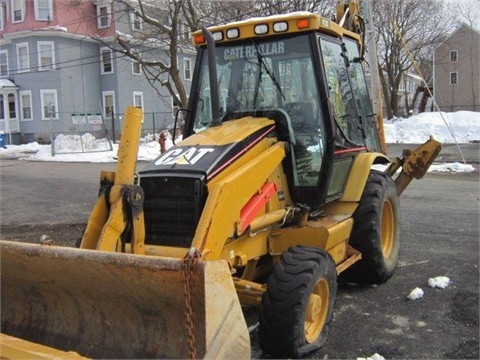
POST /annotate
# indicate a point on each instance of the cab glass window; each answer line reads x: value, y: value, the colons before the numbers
x: 362, y: 98
x: 269, y: 74
x: 341, y: 97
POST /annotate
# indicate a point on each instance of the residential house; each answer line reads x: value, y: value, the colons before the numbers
x: 409, y: 85
x: 456, y: 68
x: 55, y: 76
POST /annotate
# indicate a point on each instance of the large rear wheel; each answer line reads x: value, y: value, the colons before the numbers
x: 375, y: 231
x: 298, y: 304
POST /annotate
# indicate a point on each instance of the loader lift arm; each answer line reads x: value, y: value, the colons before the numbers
x: 414, y: 164
x: 118, y: 212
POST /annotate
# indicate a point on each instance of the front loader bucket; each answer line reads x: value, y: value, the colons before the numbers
x: 114, y: 305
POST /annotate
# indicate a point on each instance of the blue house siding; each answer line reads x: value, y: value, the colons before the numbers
x: 77, y: 78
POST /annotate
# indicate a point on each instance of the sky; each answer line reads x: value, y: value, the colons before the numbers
x: 460, y: 127
x: 467, y: 11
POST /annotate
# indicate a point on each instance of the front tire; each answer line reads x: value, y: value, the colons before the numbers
x: 298, y: 304
x: 375, y: 231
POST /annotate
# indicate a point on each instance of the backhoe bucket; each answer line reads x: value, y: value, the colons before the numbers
x: 114, y: 305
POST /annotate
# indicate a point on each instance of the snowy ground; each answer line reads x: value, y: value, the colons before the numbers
x: 458, y: 127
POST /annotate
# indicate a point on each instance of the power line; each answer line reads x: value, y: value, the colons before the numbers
x: 97, y: 57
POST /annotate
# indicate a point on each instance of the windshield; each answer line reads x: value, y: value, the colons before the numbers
x: 269, y: 75
x: 259, y: 75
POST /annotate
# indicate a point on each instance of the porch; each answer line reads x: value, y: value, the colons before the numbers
x: 9, y: 109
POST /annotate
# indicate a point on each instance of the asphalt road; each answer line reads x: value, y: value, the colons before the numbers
x: 440, y: 237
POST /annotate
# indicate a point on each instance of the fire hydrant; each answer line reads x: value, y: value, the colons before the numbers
x: 161, y: 140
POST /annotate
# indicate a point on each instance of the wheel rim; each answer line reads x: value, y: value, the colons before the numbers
x: 388, y: 229
x: 317, y: 309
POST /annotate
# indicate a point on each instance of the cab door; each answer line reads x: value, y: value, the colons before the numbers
x: 344, y: 107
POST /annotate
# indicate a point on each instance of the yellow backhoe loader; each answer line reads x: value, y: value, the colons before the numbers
x: 270, y: 196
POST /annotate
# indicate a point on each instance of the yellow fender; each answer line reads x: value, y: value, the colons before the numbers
x: 359, y: 175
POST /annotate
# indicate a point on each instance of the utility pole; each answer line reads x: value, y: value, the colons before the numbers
x: 375, y: 84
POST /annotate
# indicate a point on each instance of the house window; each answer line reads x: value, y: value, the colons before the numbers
x: 49, y: 104
x: 4, y: 63
x: 46, y: 55
x: 18, y: 10
x: 12, y: 106
x: 136, y: 67
x: 43, y: 10
x: 454, y: 56
x: 138, y: 99
x: 103, y: 16
x: 108, y: 104
x: 26, y: 104
x: 187, y: 69
x: 2, y: 110
x: 453, y: 78
x: 136, y: 21
x: 23, y: 61
x: 106, y: 61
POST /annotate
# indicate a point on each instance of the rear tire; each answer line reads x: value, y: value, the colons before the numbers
x: 375, y: 231
x: 298, y: 304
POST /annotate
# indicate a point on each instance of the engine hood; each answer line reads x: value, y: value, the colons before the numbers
x: 213, y: 149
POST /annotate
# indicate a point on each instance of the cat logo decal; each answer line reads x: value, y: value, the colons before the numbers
x: 181, y: 156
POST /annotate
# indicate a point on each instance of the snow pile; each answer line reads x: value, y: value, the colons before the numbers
x: 373, y: 357
x: 451, y: 167
x: 417, y: 129
x: 455, y: 167
x: 76, y: 143
x: 439, y: 282
x: 415, y: 294
x: 13, y: 150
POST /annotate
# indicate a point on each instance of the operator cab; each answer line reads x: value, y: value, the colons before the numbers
x: 312, y: 85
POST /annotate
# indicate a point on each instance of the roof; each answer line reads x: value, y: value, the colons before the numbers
x: 7, y: 84
x: 462, y: 25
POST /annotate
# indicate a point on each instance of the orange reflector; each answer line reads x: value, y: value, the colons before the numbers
x: 256, y: 203
x: 303, y: 23
x: 199, y: 38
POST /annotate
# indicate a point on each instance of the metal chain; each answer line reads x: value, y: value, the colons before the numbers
x: 188, y: 269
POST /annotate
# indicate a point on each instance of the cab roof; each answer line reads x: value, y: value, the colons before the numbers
x: 274, y: 25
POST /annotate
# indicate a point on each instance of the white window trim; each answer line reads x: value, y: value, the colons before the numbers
x: 29, y: 93
x: 106, y: 5
x: 184, y: 32
x: 52, y: 53
x: 2, y: 15
x: 102, y: 65
x: 185, y: 61
x: 50, y: 11
x: 450, y: 77
x: 42, y: 94
x: 174, y: 107
x: 138, y: 93
x: 133, y: 16
x: 6, y: 57
x: 24, y: 44
x: 133, y: 61
x: 22, y: 9
x: 104, y: 95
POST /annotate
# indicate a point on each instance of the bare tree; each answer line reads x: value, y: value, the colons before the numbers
x: 167, y: 27
x: 160, y: 36
x: 419, y: 24
x: 272, y: 7
x: 467, y: 12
